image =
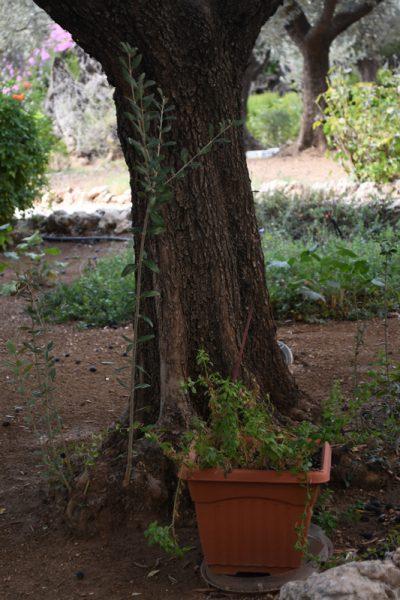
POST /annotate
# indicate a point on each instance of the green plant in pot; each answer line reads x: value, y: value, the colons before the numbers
x: 254, y: 482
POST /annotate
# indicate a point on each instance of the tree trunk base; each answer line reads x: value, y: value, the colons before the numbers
x: 98, y: 501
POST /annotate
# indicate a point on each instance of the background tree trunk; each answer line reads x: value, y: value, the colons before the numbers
x: 315, y: 73
x: 210, y: 258
x: 368, y: 68
x: 253, y: 70
x: 314, y: 41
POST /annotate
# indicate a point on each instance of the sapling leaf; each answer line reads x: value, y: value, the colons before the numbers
x: 129, y: 268
x: 142, y: 386
x: 147, y: 320
x: 150, y: 294
x: 184, y: 155
x: 150, y: 264
x: 122, y: 383
x: 146, y: 338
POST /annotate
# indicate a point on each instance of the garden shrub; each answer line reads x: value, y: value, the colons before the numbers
x: 362, y: 125
x: 274, y: 119
x: 335, y: 279
x: 313, y: 216
x: 23, y: 157
x: 99, y: 297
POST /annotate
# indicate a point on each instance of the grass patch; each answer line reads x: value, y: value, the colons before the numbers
x: 99, y: 297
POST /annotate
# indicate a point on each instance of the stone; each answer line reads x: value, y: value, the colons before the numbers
x: 124, y: 198
x: 84, y: 222
x: 109, y: 220
x: 96, y: 191
x: 116, y: 220
x: 366, y: 580
x: 104, y: 198
x: 123, y: 226
x: 58, y: 222
x: 124, y: 221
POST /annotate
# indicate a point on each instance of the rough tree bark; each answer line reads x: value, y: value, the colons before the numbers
x: 314, y: 42
x: 211, y: 264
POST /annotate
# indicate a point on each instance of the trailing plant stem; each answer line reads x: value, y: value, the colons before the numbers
x: 128, y: 470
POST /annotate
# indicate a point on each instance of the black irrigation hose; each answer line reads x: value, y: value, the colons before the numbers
x: 85, y: 239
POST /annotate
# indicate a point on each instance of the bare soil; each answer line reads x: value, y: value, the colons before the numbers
x: 308, y: 167
x: 39, y: 557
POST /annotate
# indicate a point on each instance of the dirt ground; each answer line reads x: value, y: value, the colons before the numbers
x: 308, y: 167
x: 40, y: 559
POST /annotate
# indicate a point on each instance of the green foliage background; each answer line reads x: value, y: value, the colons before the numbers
x: 25, y: 145
x: 274, y: 119
x: 362, y: 125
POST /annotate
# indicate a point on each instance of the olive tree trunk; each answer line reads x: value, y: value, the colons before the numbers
x: 314, y: 83
x: 210, y: 259
x: 314, y: 39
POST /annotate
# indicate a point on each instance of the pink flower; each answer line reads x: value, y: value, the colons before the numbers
x: 44, y: 55
x: 63, y: 40
x: 63, y: 46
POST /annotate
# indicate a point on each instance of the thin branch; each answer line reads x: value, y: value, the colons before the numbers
x: 296, y: 23
x: 324, y: 21
x: 344, y: 20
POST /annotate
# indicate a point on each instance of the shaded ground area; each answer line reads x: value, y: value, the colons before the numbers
x: 39, y: 557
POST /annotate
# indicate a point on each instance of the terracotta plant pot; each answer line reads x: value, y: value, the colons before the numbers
x: 247, y: 518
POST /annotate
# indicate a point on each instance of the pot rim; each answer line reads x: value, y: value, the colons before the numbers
x: 316, y: 477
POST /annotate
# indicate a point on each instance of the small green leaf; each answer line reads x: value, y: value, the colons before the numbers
x: 147, y: 320
x: 11, y: 255
x: 279, y: 264
x: 52, y: 251
x: 378, y: 282
x: 184, y: 155
x: 128, y: 269
x: 150, y: 264
x: 11, y: 348
x: 311, y: 295
x: 146, y: 338
x: 142, y: 386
